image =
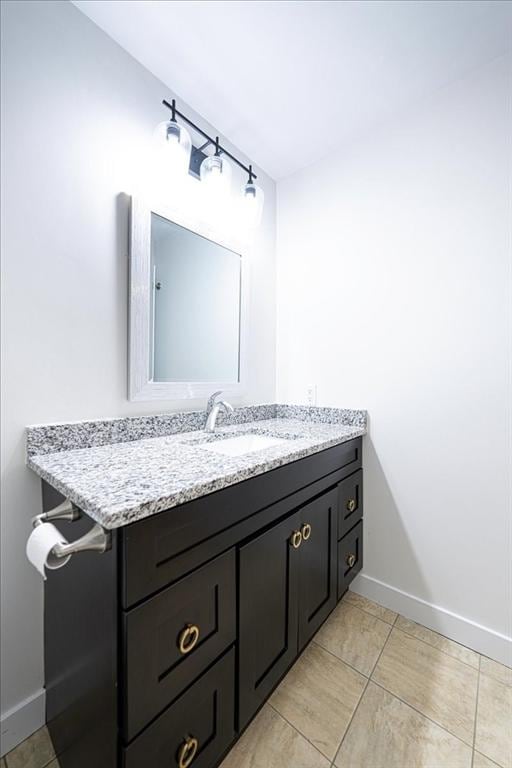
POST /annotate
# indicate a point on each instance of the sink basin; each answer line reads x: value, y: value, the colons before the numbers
x: 238, y: 446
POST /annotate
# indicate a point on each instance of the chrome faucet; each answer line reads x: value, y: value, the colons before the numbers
x: 213, y: 408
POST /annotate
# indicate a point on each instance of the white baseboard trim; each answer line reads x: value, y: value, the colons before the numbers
x: 462, y: 630
x: 21, y: 721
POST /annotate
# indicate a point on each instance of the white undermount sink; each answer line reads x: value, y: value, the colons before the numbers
x: 237, y: 446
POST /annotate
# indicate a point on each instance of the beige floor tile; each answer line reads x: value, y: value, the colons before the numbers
x: 354, y: 636
x: 386, y: 733
x: 369, y: 606
x: 495, y: 669
x: 479, y: 761
x: 439, y: 686
x: 271, y: 742
x: 494, y: 721
x: 318, y: 697
x: 439, y: 641
x: 34, y: 752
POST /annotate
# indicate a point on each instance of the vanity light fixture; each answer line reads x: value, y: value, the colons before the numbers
x: 214, y: 170
x: 175, y: 142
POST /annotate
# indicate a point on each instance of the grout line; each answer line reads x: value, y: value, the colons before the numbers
x: 427, y: 717
x: 477, y: 752
x: 440, y: 634
x: 470, y: 666
x: 350, y: 721
x: 361, y: 697
x: 367, y: 677
x: 359, y: 608
x: 424, y: 627
x: 295, y: 728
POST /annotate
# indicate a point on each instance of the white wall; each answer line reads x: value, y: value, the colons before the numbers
x: 394, y: 294
x: 77, y: 119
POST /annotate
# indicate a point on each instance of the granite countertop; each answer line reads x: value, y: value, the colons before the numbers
x: 122, y: 470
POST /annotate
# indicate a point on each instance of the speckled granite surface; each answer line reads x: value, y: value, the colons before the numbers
x: 157, y: 462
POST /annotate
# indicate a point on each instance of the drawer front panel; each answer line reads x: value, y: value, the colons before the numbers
x: 350, y: 502
x: 350, y: 557
x: 196, y: 730
x: 172, y: 637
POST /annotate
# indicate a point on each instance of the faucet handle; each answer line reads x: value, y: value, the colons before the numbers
x: 211, y: 400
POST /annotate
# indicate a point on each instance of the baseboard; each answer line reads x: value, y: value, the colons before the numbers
x: 462, y: 630
x: 21, y: 721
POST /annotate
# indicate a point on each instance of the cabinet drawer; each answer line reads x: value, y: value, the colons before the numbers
x: 350, y: 557
x: 171, y: 638
x: 350, y: 502
x: 200, y: 721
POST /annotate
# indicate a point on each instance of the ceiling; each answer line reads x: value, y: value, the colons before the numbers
x: 289, y: 81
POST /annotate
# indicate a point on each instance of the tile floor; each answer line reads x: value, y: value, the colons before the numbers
x: 373, y: 690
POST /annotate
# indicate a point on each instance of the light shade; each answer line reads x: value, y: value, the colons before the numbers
x: 174, y: 146
x: 253, y: 199
x: 215, y: 173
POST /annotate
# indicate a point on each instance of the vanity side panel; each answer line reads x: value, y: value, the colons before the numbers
x: 80, y: 634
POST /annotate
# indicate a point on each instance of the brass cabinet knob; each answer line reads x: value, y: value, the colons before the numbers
x: 351, y: 560
x: 351, y: 505
x: 187, y: 752
x: 306, y: 531
x: 188, y: 637
x: 296, y: 539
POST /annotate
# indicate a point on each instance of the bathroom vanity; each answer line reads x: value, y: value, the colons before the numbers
x: 220, y: 569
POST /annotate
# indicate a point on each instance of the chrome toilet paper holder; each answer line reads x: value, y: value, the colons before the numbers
x: 97, y: 539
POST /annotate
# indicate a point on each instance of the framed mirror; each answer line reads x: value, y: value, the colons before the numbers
x: 186, y: 308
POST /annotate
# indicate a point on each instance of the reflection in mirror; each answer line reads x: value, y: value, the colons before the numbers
x: 195, y: 307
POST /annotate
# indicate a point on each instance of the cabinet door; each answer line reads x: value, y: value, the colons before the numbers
x: 269, y: 577
x: 317, y: 590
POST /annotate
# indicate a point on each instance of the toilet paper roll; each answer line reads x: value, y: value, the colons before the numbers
x: 39, y: 548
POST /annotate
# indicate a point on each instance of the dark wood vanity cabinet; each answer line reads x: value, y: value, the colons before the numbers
x: 213, y: 602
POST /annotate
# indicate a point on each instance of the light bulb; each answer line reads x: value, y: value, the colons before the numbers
x: 174, y: 145
x: 215, y: 173
x: 253, y: 198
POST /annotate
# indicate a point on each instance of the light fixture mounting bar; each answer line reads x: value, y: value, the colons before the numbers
x: 175, y: 111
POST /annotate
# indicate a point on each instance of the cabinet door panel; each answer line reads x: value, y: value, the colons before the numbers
x: 317, y: 592
x: 268, y: 613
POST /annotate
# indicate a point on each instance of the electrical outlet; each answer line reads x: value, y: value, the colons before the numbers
x: 311, y: 394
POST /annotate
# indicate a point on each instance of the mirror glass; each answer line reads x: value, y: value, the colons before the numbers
x: 195, y: 306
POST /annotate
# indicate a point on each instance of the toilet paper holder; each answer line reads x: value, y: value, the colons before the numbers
x: 95, y: 540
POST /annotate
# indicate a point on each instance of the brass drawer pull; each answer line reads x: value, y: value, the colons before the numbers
x: 351, y: 560
x: 351, y: 505
x: 306, y: 531
x: 296, y: 539
x: 188, y: 638
x: 187, y: 752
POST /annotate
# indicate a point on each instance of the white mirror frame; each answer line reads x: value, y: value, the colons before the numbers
x: 140, y: 386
